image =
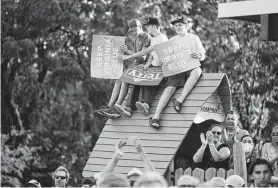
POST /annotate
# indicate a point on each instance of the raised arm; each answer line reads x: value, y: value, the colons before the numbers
x: 115, y: 158
x: 138, y: 54
x: 147, y: 163
x: 198, y: 156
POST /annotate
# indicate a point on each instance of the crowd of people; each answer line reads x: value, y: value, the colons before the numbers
x: 216, y: 149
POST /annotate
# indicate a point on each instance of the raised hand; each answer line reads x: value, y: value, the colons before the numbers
x: 195, y: 56
x: 209, y: 137
x: 123, y: 48
x: 203, y: 139
x: 137, y: 144
x: 118, y: 147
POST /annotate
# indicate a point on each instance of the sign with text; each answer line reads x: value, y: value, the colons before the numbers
x: 135, y: 74
x: 211, y: 109
x: 104, y: 57
x: 175, y: 56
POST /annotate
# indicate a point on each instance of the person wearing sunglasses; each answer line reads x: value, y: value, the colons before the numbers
x: 270, y: 150
x: 61, y: 177
x: 212, y: 152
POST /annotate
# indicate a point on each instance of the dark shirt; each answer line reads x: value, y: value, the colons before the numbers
x: 143, y: 40
x: 209, y: 162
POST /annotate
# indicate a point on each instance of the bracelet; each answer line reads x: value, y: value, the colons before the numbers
x: 211, y: 144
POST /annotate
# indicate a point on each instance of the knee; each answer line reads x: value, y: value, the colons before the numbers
x: 170, y: 90
x: 196, y: 72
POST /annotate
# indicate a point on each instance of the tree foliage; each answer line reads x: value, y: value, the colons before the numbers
x: 48, y: 95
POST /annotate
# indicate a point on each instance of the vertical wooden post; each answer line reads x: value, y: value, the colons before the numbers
x: 239, y: 161
x: 168, y: 175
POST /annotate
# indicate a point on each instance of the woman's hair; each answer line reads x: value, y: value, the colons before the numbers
x: 216, y: 125
x: 246, y: 136
x: 150, y: 177
x: 113, y: 179
x: 61, y: 168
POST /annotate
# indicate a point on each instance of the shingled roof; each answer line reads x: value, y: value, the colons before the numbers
x: 162, y: 144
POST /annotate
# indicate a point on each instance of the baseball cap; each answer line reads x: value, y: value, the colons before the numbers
x: 152, y: 21
x: 181, y: 19
x: 234, y: 181
x: 134, y: 25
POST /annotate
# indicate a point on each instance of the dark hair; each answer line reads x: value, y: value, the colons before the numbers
x: 89, y: 181
x: 152, y: 21
x: 231, y: 112
x: 216, y: 125
x: 259, y: 161
x: 112, y: 179
x: 246, y: 136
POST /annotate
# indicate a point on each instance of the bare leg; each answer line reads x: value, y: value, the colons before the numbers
x: 115, y: 93
x: 190, y: 83
x: 164, y: 99
x: 123, y: 92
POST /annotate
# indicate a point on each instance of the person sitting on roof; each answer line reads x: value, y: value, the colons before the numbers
x: 212, y: 152
x: 118, y: 154
x: 197, y: 52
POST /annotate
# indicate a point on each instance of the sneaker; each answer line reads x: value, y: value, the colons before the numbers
x: 143, y: 107
x: 109, y: 113
x: 123, y: 110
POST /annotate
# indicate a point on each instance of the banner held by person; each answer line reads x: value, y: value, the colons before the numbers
x: 136, y: 75
x: 104, y: 57
x: 175, y: 57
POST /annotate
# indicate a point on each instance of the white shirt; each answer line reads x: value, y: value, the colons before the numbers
x: 195, y: 44
x: 157, y: 40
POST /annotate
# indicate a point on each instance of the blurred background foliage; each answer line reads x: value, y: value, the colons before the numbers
x: 48, y: 96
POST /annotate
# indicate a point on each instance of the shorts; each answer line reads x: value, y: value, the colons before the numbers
x: 177, y: 80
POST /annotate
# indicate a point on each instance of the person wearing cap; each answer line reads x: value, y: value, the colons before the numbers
x: 142, y: 41
x: 61, y: 177
x: 118, y: 154
x: 152, y: 25
x: 109, y: 110
x: 115, y: 108
x: 234, y: 181
x: 197, y: 52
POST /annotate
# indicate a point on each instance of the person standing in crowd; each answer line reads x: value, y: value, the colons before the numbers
x: 151, y: 179
x: 134, y: 174
x: 260, y: 173
x: 187, y: 181
x: 197, y: 52
x: 212, y: 152
x: 88, y: 183
x: 234, y: 181
x: 232, y: 132
x: 153, y: 26
x: 61, y: 177
x: 270, y: 150
x: 33, y: 183
x: 112, y: 179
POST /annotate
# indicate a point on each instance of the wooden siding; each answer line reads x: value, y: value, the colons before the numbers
x: 160, y: 145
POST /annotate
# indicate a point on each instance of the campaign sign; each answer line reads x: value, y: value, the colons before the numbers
x: 175, y: 56
x: 211, y: 109
x: 104, y: 57
x: 135, y: 74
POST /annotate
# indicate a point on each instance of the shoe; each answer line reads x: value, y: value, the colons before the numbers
x: 123, y: 110
x: 176, y: 104
x: 109, y: 113
x: 154, y: 123
x: 143, y: 107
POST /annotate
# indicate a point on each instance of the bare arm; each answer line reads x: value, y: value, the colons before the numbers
x: 141, y: 53
x: 147, y: 163
x: 220, y: 155
x: 198, y: 156
x: 115, y: 158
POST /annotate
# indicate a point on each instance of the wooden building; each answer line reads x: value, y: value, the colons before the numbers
x: 175, y: 140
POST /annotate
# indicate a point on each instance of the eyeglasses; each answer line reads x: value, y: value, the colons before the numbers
x: 275, y: 134
x: 216, y: 132
x: 60, y: 177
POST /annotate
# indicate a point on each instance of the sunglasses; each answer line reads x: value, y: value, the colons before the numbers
x: 216, y: 132
x: 275, y: 134
x: 60, y: 177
